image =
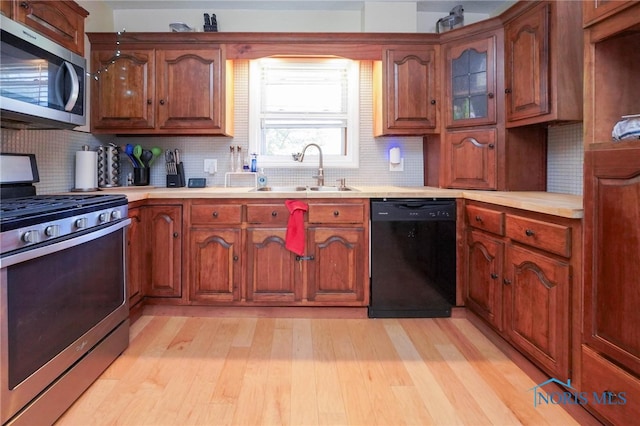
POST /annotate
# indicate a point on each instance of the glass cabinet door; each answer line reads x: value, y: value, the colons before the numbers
x: 471, y: 85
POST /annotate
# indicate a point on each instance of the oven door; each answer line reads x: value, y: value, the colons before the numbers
x: 57, y: 302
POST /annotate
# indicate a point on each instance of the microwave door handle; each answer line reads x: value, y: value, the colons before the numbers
x: 75, y: 87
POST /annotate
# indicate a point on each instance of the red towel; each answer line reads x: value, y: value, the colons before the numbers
x: 294, y: 239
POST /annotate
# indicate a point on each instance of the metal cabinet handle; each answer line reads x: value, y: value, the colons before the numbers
x: 24, y: 5
x: 336, y: 213
x: 149, y: 101
x: 491, y: 146
x: 494, y: 276
x: 529, y: 233
x: 214, y: 214
x: 161, y: 101
x: 506, y: 281
x: 507, y: 91
x: 433, y: 101
x: 274, y: 213
x: 490, y: 95
x: 478, y: 219
x: 235, y: 258
x: 175, y: 235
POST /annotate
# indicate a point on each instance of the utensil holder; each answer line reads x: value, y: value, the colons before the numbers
x: 141, y: 176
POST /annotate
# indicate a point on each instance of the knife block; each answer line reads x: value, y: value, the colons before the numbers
x: 178, y: 180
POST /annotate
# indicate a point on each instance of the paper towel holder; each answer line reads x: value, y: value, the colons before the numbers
x: 396, y: 162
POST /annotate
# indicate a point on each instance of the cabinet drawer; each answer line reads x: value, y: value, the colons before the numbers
x: 336, y: 213
x: 485, y: 219
x: 267, y: 213
x: 600, y: 376
x: 544, y: 235
x: 209, y: 214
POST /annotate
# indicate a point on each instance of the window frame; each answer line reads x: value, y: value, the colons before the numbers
x: 350, y: 160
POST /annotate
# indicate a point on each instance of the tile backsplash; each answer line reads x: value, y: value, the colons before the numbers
x: 55, y: 151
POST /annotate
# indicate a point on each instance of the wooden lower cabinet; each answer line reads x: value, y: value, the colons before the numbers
x: 273, y: 274
x: 237, y: 254
x: 163, y: 230
x: 215, y: 265
x: 337, y: 271
x: 136, y: 268
x: 536, y: 307
x: 483, y: 274
x: 516, y: 281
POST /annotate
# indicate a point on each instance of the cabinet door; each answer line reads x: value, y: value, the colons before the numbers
x: 471, y: 159
x: 409, y: 91
x: 485, y: 256
x: 164, y: 228
x: 470, y: 71
x: 123, y: 97
x: 273, y: 275
x: 536, y: 301
x: 527, y: 64
x: 189, y: 89
x: 612, y: 244
x: 337, y: 270
x: 136, y: 252
x: 215, y: 265
x: 61, y: 21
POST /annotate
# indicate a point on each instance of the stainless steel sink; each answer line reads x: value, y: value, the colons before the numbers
x: 303, y: 188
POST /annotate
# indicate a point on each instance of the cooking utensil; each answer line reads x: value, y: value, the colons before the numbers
x: 134, y: 162
x: 146, y: 157
x: 156, y: 153
x: 137, y: 152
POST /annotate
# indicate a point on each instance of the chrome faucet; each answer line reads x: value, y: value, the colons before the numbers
x: 300, y: 156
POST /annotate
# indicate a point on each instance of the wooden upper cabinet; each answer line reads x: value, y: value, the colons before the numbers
x: 154, y: 89
x: 189, y: 89
x: 470, y: 159
x: 123, y: 97
x: 61, y: 21
x: 596, y: 10
x: 470, y: 82
x: 543, y: 64
x: 408, y: 101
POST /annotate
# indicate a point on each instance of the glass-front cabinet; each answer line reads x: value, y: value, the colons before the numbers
x: 471, y: 86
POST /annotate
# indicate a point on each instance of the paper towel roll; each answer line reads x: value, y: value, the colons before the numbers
x: 394, y: 155
x: 86, y: 170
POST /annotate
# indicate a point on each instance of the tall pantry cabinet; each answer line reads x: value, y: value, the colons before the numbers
x: 610, y: 353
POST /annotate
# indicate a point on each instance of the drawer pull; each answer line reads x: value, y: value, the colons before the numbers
x: 215, y: 214
x: 336, y: 213
x: 175, y: 235
x: 529, y: 233
x: 235, y: 258
x: 274, y: 213
x: 506, y: 281
x: 478, y: 219
x: 494, y: 276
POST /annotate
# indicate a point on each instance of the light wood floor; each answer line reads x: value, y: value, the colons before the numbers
x: 289, y: 371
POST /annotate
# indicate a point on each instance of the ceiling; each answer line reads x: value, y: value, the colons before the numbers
x: 439, y: 6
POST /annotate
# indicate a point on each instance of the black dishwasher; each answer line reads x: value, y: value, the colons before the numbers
x: 413, y: 258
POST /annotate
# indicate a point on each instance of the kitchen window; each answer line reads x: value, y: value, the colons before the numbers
x: 297, y: 101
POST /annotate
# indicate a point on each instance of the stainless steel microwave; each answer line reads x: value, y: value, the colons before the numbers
x: 42, y: 84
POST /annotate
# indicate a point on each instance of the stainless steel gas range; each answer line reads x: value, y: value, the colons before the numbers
x: 63, y: 301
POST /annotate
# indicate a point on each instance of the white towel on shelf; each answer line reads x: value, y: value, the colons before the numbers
x: 627, y: 128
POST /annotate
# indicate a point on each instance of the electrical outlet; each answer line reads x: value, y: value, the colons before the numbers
x: 210, y: 166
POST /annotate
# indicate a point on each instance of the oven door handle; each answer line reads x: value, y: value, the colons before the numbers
x: 61, y: 245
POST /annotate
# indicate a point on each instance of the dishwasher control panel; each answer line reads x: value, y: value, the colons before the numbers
x: 413, y: 209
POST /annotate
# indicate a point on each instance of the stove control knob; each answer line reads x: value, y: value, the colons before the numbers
x: 104, y: 217
x: 30, y: 237
x: 52, y: 231
x: 116, y: 215
x: 81, y: 223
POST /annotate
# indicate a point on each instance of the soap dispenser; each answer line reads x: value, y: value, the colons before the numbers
x: 262, y: 179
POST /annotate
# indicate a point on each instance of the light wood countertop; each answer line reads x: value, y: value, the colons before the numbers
x: 563, y: 205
